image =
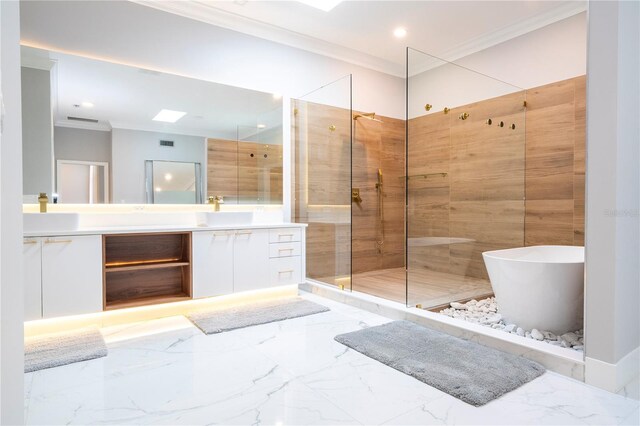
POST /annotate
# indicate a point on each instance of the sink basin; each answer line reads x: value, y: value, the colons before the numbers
x: 224, y: 218
x: 50, y: 222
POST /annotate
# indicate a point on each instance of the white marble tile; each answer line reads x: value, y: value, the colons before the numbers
x: 631, y: 389
x: 288, y: 372
x: 632, y: 419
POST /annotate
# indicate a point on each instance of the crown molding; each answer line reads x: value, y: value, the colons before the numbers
x: 493, y: 38
x: 200, y: 11
x: 203, y: 12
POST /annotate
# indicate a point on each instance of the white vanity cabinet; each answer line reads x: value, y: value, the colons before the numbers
x: 32, y: 272
x: 212, y: 259
x: 233, y: 261
x: 285, y: 256
x: 251, y: 260
x: 63, y: 276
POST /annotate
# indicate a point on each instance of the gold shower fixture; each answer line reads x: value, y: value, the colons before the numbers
x: 463, y: 116
x: 501, y: 124
x: 489, y: 122
x: 332, y: 128
x: 513, y: 126
x: 446, y: 110
x: 428, y: 107
x: 368, y: 115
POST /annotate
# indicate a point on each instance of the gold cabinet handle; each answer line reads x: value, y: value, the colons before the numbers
x: 51, y: 241
x: 288, y: 271
x: 29, y: 242
x: 244, y: 232
x: 220, y: 234
x: 284, y: 249
x: 285, y: 235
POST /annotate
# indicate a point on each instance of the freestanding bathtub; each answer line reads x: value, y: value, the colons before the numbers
x: 539, y: 286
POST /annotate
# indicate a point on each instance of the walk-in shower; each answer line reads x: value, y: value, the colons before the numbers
x: 404, y: 208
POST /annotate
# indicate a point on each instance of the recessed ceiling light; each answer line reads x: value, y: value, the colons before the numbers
x: 169, y: 116
x: 400, y: 32
x: 261, y: 126
x: 87, y: 104
x: 325, y: 5
x: 168, y: 176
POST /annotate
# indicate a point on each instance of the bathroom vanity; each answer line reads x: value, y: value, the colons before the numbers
x: 90, y: 270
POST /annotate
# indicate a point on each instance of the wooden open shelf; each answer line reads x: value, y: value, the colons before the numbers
x: 145, y: 269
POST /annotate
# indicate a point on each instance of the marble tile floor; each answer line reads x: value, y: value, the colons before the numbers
x: 286, y: 373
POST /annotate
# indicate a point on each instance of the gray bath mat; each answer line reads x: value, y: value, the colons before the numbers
x: 219, y: 320
x: 471, y: 372
x: 53, y: 350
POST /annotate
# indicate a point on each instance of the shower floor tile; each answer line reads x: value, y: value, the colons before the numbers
x: 289, y: 372
x: 429, y: 288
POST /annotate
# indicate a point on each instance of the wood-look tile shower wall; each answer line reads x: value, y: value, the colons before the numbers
x: 468, y: 180
x: 326, y: 167
x: 378, y: 221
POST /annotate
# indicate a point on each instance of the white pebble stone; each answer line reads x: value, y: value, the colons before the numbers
x: 456, y: 305
x: 520, y: 331
x: 536, y: 334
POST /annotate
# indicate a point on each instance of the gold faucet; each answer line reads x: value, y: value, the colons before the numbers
x: 216, y: 201
x: 43, y: 200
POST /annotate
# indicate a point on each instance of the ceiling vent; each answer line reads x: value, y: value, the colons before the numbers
x: 85, y: 120
x: 166, y: 143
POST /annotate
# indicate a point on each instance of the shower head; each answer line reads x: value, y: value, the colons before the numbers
x: 368, y: 115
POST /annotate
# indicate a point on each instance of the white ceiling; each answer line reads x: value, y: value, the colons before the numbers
x: 128, y: 98
x: 361, y: 31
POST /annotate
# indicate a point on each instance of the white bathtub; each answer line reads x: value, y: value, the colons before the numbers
x: 539, y: 287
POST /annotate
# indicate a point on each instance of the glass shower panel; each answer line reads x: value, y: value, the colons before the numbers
x: 465, y: 178
x: 321, y: 179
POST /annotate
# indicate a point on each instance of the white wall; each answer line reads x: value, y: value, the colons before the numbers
x: 11, y: 281
x: 192, y: 48
x: 612, y: 329
x: 131, y: 148
x: 553, y: 53
x: 81, y: 144
x: 37, y: 133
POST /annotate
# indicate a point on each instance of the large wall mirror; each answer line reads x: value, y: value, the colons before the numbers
x: 100, y: 132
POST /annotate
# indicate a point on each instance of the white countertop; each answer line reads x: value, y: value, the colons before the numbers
x: 165, y: 228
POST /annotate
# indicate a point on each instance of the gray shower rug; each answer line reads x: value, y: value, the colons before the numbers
x: 471, y: 372
x: 226, y: 319
x: 56, y: 349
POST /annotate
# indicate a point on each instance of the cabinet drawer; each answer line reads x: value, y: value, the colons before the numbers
x: 284, y: 249
x: 285, y: 270
x: 284, y: 235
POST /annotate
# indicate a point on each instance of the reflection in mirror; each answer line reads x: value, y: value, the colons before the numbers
x: 172, y: 182
x: 82, y: 182
x: 87, y: 111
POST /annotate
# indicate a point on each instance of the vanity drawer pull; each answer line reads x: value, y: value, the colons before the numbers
x: 29, y: 242
x: 244, y: 232
x: 290, y: 250
x: 50, y: 241
x: 284, y: 235
x: 286, y: 271
x: 221, y: 234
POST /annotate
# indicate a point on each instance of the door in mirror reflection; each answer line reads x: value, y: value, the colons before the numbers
x: 173, y: 182
x: 82, y: 182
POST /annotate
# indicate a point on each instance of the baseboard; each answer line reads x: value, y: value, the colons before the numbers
x: 613, y: 377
